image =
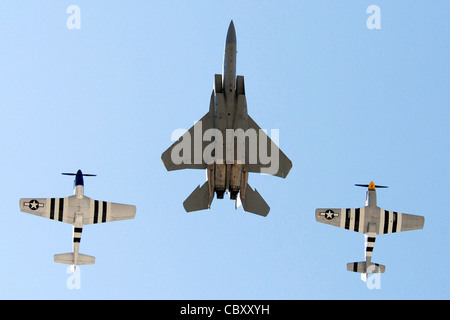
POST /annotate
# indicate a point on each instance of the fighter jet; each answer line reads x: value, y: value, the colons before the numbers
x: 372, y: 221
x: 218, y: 144
x: 77, y: 210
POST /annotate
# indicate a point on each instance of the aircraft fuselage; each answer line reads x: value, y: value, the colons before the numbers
x: 228, y: 175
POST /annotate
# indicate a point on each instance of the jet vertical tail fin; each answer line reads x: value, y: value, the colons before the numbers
x: 254, y: 203
x: 199, y: 199
x: 68, y: 258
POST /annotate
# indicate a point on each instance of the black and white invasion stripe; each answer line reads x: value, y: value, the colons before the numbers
x: 353, y: 219
x: 57, y: 209
x: 77, y: 234
x: 100, y: 211
x: 370, y: 243
x: 390, y: 222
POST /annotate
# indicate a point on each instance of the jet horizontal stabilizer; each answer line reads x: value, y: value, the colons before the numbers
x: 254, y: 203
x: 199, y: 199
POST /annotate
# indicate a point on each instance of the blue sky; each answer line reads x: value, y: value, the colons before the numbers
x: 352, y: 105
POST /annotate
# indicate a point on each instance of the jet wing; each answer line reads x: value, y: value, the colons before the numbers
x: 279, y: 169
x: 190, y: 143
x: 346, y: 218
x: 50, y: 208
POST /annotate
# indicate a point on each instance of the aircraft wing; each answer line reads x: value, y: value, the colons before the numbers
x: 192, y: 143
x: 346, y: 218
x: 50, y: 208
x: 392, y: 221
x: 65, y: 209
x: 279, y: 169
x: 382, y: 222
x: 103, y: 211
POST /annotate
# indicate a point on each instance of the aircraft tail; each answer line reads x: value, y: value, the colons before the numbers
x: 68, y: 258
x: 254, y: 203
x: 364, y: 267
x: 199, y: 199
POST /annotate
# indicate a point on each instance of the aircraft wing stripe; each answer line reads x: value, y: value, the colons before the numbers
x: 381, y: 222
x: 362, y: 220
x: 357, y: 217
x: 56, y: 207
x: 104, y: 211
x: 100, y: 208
x: 52, y: 208
x: 347, y: 218
x: 391, y: 221
x: 342, y: 218
x: 386, y: 221
x: 96, y: 211
x: 353, y: 219
x: 61, y: 209
x: 400, y: 220
x: 394, y: 224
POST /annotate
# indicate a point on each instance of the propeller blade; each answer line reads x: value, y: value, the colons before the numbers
x: 74, y: 174
x: 366, y: 186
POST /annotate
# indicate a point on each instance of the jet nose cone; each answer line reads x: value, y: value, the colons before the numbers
x: 231, y: 35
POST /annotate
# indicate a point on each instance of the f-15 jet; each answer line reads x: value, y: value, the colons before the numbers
x: 228, y: 143
x: 77, y: 210
x: 372, y: 221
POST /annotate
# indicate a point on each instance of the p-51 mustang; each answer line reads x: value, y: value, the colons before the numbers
x: 370, y: 220
x: 77, y: 210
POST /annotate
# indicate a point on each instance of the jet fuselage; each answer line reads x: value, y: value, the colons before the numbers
x: 228, y: 175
